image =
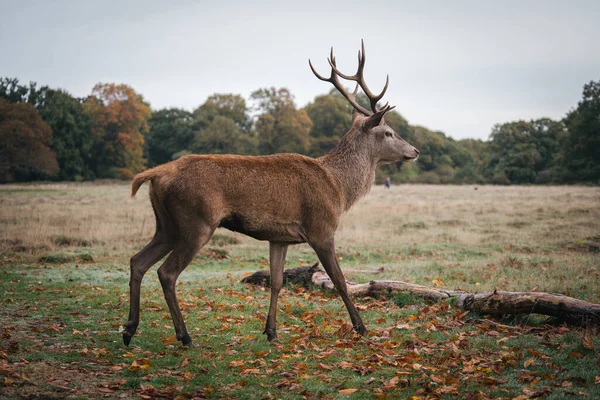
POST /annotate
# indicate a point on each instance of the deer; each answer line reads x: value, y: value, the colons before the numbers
x: 285, y: 199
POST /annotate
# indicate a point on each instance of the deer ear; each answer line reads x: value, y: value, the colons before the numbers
x: 376, y: 119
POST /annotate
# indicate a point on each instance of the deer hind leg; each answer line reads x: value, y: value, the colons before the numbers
x: 277, y: 253
x: 184, y: 251
x: 141, y: 262
x: 139, y: 265
x: 328, y: 258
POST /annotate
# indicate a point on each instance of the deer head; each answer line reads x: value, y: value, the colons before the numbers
x: 369, y: 130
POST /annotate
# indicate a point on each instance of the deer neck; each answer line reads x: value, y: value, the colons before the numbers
x: 353, y: 168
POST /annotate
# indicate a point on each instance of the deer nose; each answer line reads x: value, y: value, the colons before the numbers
x: 417, y: 151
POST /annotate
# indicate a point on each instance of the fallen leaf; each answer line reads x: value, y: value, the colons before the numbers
x: 237, y: 363
x: 588, y: 342
x: 325, y: 367
x: 347, y: 391
x: 528, y: 362
x: 140, y: 365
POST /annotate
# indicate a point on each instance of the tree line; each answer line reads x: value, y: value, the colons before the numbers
x: 49, y: 134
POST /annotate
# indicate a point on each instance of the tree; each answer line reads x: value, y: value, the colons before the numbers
x: 71, y: 129
x: 13, y: 92
x: 119, y: 122
x: 25, y: 141
x: 520, y: 150
x: 69, y: 123
x: 223, y: 126
x: 281, y: 127
x: 171, y: 131
x: 232, y: 106
x: 580, y: 149
x: 332, y: 118
x: 223, y: 136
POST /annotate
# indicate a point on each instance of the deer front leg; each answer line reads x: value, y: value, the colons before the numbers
x: 277, y: 253
x: 328, y: 258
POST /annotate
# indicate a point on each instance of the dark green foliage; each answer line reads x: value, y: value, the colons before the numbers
x: 222, y: 126
x: 580, y: 152
x: 171, y: 131
x: 281, y: 127
x: 331, y: 117
x: 521, y: 150
x: 72, y: 140
x: 223, y: 136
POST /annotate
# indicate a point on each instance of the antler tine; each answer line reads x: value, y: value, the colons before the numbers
x: 333, y: 79
x: 359, y: 78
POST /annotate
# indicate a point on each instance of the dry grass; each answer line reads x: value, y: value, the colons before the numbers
x: 519, y: 216
x: 40, y: 215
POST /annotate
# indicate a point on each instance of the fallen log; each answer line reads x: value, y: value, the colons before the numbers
x: 568, y: 309
x: 302, y: 276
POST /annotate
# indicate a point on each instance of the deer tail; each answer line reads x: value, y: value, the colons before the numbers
x: 139, y: 180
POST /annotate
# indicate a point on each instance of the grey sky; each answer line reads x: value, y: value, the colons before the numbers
x: 454, y: 66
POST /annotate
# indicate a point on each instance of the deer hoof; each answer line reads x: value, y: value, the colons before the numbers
x: 360, y: 329
x: 271, y: 335
x: 127, y: 338
x: 186, y: 340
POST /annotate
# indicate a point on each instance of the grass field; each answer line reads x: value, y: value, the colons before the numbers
x: 64, y: 256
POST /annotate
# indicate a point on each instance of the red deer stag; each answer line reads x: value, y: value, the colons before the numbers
x: 283, y: 198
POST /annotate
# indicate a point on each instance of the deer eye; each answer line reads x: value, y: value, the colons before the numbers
x: 389, y: 134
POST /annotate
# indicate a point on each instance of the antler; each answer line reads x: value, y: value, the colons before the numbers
x: 360, y: 81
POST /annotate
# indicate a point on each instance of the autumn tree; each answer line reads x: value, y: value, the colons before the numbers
x: 119, y: 122
x: 281, y: 127
x: 25, y: 141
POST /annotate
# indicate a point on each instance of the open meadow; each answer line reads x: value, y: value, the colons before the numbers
x: 64, y: 272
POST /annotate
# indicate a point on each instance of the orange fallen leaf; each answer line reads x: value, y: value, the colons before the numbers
x: 140, y: 365
x: 347, y: 391
x: 170, y: 339
x: 237, y: 363
x: 528, y: 362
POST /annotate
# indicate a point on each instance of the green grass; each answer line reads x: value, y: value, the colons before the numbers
x: 67, y: 316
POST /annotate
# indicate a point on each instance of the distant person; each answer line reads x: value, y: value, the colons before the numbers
x: 388, y: 182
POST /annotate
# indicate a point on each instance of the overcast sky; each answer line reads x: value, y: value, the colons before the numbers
x: 455, y: 66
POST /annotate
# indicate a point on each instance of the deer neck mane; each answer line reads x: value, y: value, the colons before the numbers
x: 352, y: 166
